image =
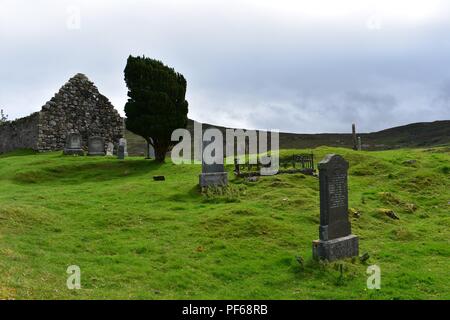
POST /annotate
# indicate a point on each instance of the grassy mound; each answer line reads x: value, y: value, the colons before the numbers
x: 137, y: 238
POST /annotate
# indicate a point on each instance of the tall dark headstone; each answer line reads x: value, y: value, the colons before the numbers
x: 354, y: 137
x: 121, y: 152
x: 335, y: 238
x: 212, y: 174
x: 73, y: 145
x: 96, y: 146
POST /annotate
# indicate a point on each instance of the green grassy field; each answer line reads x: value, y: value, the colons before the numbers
x: 142, y: 239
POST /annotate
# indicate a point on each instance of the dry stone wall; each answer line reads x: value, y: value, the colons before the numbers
x: 19, y: 134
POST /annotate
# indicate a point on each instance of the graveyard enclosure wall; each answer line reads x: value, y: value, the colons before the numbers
x: 20, y: 134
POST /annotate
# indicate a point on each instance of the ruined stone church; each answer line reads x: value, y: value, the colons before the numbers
x: 78, y: 107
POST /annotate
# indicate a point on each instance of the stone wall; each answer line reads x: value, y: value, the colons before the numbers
x: 19, y: 134
x: 78, y: 107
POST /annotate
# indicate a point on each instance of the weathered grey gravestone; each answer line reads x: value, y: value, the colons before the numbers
x: 212, y: 174
x: 335, y: 238
x: 110, y: 149
x: 359, y: 144
x: 121, y: 152
x: 73, y: 145
x: 96, y: 146
x: 151, y: 151
x: 265, y: 161
x: 123, y: 142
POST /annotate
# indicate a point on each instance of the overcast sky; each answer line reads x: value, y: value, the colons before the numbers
x: 294, y: 65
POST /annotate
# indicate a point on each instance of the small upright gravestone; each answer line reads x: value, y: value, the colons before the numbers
x: 73, y: 145
x: 354, y: 137
x: 151, y: 150
x: 335, y: 238
x: 110, y: 149
x: 121, y: 152
x: 212, y: 174
x: 123, y: 142
x: 96, y: 146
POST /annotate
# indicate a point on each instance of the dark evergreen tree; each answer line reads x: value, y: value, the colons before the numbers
x: 156, y: 102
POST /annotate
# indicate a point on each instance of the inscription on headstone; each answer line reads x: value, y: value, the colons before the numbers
x: 96, y: 146
x: 337, y: 188
x: 335, y: 238
x: 73, y: 145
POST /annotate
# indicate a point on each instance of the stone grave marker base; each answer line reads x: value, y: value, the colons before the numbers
x: 73, y: 152
x: 96, y: 154
x: 344, y: 247
x: 213, y: 179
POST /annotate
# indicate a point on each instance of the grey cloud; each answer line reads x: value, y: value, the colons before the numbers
x: 245, y: 67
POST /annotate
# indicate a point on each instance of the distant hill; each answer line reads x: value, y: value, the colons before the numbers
x: 422, y: 134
